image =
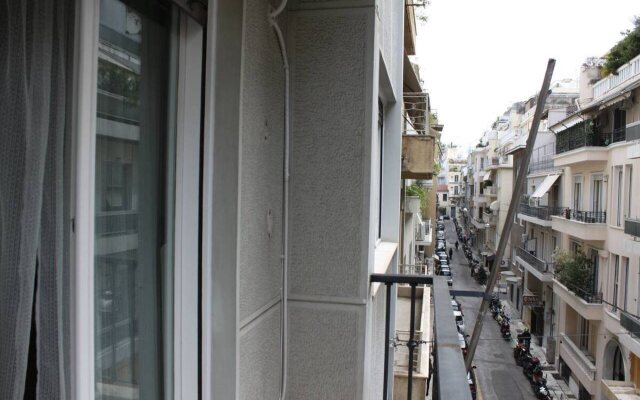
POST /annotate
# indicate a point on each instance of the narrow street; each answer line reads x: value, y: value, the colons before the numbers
x: 497, y: 374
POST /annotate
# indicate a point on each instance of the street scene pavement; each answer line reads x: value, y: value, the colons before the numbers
x: 497, y: 374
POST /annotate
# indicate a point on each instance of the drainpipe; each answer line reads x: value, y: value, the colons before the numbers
x: 273, y: 14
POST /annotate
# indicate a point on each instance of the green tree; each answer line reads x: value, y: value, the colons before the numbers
x: 625, y: 50
x: 574, y: 271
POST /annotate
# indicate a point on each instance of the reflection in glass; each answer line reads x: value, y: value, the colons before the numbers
x: 134, y: 201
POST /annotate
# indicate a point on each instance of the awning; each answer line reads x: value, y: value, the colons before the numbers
x: 545, y: 186
x: 495, y: 206
x: 487, y: 176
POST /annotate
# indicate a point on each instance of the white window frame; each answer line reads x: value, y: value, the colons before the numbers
x: 186, y: 268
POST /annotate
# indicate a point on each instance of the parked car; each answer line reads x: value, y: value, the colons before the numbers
x: 472, y: 384
x: 446, y: 272
x: 462, y: 342
x: 459, y: 321
x: 440, y: 245
x: 455, y: 304
x: 440, y: 235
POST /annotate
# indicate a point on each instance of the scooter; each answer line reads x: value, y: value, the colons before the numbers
x: 519, y: 353
x: 529, y: 364
x: 505, y: 330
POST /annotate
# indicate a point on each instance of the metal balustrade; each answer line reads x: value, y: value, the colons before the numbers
x: 450, y: 381
x: 632, y: 227
x: 592, y: 217
x: 535, y: 262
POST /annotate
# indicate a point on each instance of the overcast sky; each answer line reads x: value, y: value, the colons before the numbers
x: 477, y: 57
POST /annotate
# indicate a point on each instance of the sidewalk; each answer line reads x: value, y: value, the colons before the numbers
x: 558, y: 388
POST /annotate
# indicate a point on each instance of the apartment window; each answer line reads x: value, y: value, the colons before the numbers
x: 542, y: 249
x: 574, y: 246
x: 456, y: 178
x: 625, y: 282
x: 554, y: 243
x: 584, y: 330
x: 596, y: 193
x: 444, y: 197
x: 616, y: 273
x: 455, y: 190
x: 595, y: 265
x: 618, y: 194
x: 379, y: 169
x: 619, y: 119
x: 629, y: 189
x: 577, y: 192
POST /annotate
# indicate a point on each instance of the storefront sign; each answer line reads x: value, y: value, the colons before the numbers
x: 530, y: 300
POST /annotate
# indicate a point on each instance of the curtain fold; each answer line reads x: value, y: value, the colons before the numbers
x: 35, y: 47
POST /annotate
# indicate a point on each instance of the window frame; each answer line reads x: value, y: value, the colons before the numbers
x: 82, y: 206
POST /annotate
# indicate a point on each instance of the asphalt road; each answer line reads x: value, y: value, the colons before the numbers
x: 497, y: 374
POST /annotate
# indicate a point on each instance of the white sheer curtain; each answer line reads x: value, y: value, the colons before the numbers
x: 35, y: 49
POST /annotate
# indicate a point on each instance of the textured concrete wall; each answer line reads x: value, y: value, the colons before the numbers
x: 260, y: 213
x: 332, y: 79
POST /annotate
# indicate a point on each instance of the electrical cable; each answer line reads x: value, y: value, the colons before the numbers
x: 273, y: 14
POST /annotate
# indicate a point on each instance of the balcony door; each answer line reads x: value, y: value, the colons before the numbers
x: 142, y: 170
x: 597, y: 193
x: 577, y: 192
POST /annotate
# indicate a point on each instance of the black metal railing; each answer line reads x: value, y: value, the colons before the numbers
x: 540, y: 212
x: 632, y: 227
x: 592, y: 217
x: 586, y: 134
x: 534, y: 261
x: 544, y: 163
x: 618, y: 135
x: 589, y: 295
x: 450, y: 375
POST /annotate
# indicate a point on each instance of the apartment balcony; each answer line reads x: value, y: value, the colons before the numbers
x: 618, y: 390
x: 417, y: 156
x: 424, y: 234
x: 587, y: 303
x: 479, y: 224
x: 539, y: 215
x: 583, y: 142
x: 541, y: 269
x: 627, y: 73
x: 581, y: 364
x: 449, y: 373
x: 627, y: 323
x: 632, y: 244
x: 585, y: 225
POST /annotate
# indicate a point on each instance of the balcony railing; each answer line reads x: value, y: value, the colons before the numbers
x: 540, y: 265
x: 587, y: 294
x: 585, y: 134
x: 592, y: 217
x: 539, y: 212
x: 586, y: 364
x: 542, y: 164
x: 628, y: 71
x: 632, y: 227
x: 450, y: 381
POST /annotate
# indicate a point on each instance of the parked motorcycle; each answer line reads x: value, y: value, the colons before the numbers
x: 519, y: 353
x: 505, y: 330
x: 529, y: 365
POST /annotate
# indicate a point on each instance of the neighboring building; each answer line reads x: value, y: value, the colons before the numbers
x: 455, y: 160
x: 598, y: 151
x: 188, y: 219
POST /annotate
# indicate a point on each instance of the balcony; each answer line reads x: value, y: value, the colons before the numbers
x: 629, y: 71
x: 587, y: 303
x: 618, y: 390
x: 632, y: 227
x: 585, y: 225
x: 423, y: 233
x: 539, y: 268
x: 581, y: 364
x: 541, y: 165
x: 449, y: 373
x: 583, y: 142
x: 417, y: 157
x: 540, y: 215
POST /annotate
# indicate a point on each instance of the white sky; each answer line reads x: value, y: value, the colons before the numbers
x: 478, y: 57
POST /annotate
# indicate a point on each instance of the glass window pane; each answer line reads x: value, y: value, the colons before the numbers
x: 134, y: 200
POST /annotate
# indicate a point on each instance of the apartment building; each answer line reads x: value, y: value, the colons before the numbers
x: 456, y: 158
x: 596, y: 151
x: 194, y: 202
